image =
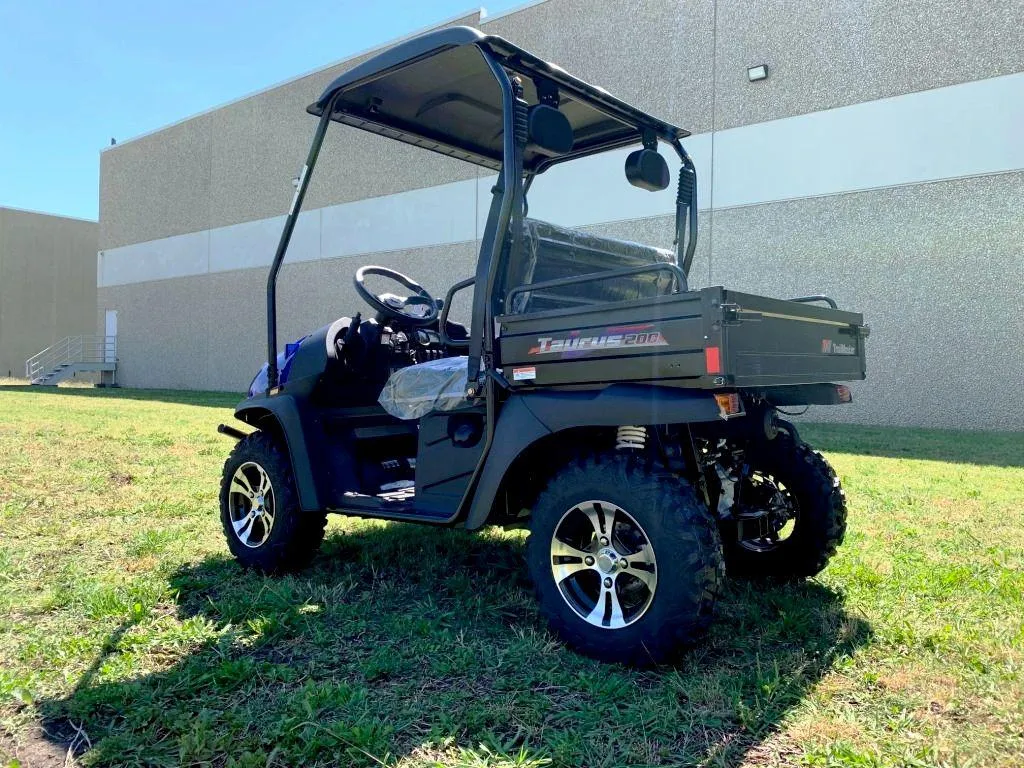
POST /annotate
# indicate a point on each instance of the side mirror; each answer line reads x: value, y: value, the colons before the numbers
x: 647, y: 169
x: 549, y: 129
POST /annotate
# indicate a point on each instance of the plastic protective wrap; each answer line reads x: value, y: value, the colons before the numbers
x: 548, y: 252
x: 437, y: 385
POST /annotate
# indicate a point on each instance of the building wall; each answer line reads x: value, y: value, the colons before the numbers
x: 880, y: 162
x: 47, y: 283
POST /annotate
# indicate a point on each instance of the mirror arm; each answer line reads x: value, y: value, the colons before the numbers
x: 686, y: 209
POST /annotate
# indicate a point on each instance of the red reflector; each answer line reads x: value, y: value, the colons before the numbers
x: 844, y: 393
x: 712, y: 359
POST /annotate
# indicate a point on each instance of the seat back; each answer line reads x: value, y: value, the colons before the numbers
x: 548, y: 252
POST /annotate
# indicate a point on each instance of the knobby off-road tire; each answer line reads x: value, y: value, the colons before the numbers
x: 820, y: 516
x: 293, y: 537
x: 686, y: 559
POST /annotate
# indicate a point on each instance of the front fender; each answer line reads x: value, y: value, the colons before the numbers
x: 283, y: 414
x: 527, y: 417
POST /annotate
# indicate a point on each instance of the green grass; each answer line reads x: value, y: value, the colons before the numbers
x: 128, y: 636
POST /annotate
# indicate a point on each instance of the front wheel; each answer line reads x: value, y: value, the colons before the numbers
x: 625, y: 560
x: 265, y: 527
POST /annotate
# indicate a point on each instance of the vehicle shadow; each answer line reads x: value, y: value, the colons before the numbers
x: 405, y: 643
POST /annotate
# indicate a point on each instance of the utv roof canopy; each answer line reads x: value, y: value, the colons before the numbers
x: 439, y: 91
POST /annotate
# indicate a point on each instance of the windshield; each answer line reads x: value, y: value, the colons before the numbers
x: 592, y: 194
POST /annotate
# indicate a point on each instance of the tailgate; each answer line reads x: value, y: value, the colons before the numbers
x: 764, y: 341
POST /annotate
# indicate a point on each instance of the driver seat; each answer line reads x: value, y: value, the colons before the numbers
x: 358, y: 364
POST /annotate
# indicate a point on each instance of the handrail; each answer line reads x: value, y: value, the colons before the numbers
x: 85, y: 348
x: 816, y: 297
x: 593, y: 277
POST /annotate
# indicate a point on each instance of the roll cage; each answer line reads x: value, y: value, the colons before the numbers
x: 464, y: 94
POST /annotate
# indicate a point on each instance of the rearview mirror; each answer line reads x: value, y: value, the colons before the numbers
x: 549, y: 129
x: 647, y: 169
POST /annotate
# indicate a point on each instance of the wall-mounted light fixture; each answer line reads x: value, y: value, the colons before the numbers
x: 760, y: 72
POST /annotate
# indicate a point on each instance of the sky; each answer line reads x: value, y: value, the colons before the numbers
x: 76, y: 73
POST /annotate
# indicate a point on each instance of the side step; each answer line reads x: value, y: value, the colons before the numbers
x: 395, y: 505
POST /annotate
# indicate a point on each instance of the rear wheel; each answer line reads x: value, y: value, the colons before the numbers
x: 788, y: 515
x: 625, y: 560
x: 263, y: 522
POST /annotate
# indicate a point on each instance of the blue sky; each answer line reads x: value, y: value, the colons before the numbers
x: 74, y: 73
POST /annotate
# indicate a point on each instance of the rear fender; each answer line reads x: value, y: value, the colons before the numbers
x: 280, y: 414
x: 528, y: 417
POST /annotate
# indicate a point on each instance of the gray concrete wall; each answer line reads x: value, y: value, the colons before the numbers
x: 877, y: 163
x: 47, y: 283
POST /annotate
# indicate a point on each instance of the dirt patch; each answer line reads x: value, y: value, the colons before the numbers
x: 121, y: 479
x: 56, y: 747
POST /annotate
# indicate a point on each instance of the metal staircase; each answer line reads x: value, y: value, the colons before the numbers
x: 71, y: 355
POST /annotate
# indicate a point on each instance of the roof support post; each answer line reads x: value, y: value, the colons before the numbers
x: 286, y: 236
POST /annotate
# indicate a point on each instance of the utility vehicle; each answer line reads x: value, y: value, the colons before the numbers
x: 630, y: 422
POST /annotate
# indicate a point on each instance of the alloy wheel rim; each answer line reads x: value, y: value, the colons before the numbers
x: 603, y: 564
x: 251, y: 505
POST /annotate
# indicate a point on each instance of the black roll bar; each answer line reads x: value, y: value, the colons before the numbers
x: 286, y: 236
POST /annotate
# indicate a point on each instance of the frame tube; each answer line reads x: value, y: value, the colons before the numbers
x: 286, y: 236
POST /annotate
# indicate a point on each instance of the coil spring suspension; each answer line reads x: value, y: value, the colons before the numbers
x: 631, y: 437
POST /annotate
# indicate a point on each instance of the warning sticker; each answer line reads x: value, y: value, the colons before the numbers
x: 528, y: 373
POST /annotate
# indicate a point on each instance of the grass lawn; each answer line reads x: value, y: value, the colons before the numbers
x: 128, y: 637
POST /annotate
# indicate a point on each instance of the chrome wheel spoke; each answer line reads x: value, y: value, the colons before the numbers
x: 643, y: 556
x: 243, y: 527
x: 561, y: 549
x: 615, y: 617
x: 264, y: 488
x: 598, y: 518
x: 648, y: 577
x: 563, y: 571
x: 240, y: 484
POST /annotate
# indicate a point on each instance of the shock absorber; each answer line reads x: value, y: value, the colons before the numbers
x: 629, y: 437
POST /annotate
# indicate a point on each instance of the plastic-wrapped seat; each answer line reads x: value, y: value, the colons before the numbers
x: 415, y: 391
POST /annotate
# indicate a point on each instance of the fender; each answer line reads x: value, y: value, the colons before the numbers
x: 527, y: 417
x: 285, y: 413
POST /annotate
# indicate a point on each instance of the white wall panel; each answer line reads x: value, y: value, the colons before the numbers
x: 177, y: 256
x: 420, y: 217
x: 961, y: 130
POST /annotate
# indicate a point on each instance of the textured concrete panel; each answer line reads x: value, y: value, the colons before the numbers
x: 827, y: 53
x: 939, y: 284
x: 157, y: 186
x: 654, y: 54
x: 47, y: 283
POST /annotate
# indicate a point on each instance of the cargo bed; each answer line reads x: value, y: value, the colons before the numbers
x: 711, y: 338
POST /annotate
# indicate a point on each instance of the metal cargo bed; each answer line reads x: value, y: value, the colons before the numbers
x: 711, y: 338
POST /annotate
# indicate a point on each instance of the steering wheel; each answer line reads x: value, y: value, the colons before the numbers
x: 416, y: 310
